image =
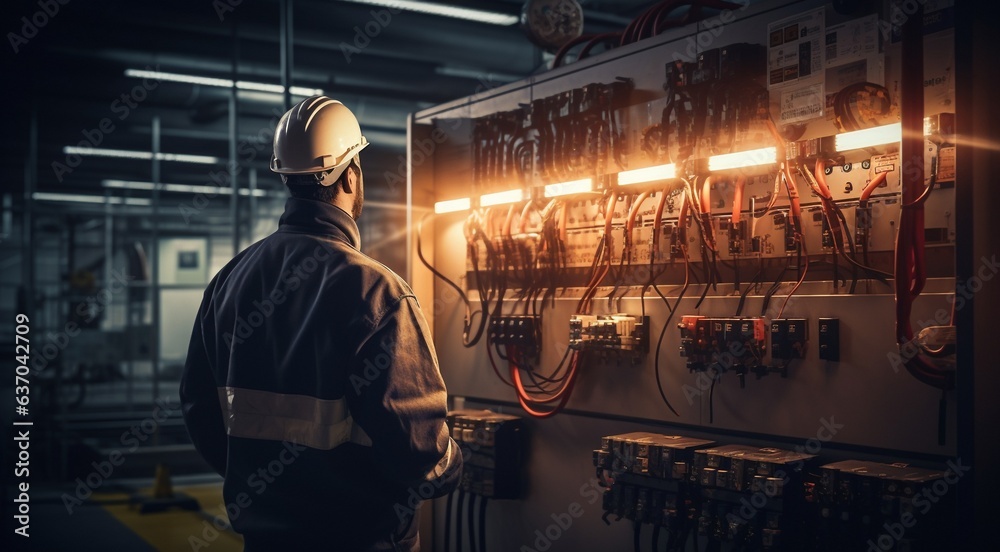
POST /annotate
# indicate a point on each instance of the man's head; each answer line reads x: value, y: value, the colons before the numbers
x: 316, y: 151
x: 347, y: 192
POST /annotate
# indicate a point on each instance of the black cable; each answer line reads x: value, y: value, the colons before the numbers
x: 711, y: 400
x: 458, y: 519
x: 636, y: 536
x: 447, y: 521
x: 483, y: 500
x: 470, y: 517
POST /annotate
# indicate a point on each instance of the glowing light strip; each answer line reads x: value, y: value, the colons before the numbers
x: 572, y: 187
x: 752, y: 158
x: 469, y: 14
x: 453, y: 205
x: 648, y: 174
x: 501, y: 198
x: 869, y: 137
x: 84, y: 198
x: 147, y: 155
x: 221, y: 83
x: 180, y: 188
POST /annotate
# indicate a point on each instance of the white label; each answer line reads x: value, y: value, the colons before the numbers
x: 802, y: 103
x: 851, y: 41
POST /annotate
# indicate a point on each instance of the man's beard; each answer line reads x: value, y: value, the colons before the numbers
x: 359, y: 198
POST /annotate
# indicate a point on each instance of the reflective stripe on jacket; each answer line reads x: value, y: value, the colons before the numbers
x: 311, y: 384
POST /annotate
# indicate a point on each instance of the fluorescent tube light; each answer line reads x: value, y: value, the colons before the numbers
x: 752, y: 158
x: 147, y: 155
x: 453, y: 205
x: 180, y: 188
x: 84, y: 198
x: 221, y: 83
x: 572, y: 187
x: 469, y: 14
x: 648, y: 174
x: 869, y: 137
x: 501, y: 198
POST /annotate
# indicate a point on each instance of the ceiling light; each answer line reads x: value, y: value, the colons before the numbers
x: 83, y: 198
x: 648, y: 174
x: 146, y: 155
x: 221, y: 83
x: 480, y: 16
x: 869, y: 137
x: 180, y: 188
x: 566, y: 188
x: 752, y: 158
x: 453, y: 205
x: 501, y: 198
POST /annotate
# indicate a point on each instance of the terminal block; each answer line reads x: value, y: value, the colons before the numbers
x: 523, y: 332
x: 493, y: 448
x: 614, y: 333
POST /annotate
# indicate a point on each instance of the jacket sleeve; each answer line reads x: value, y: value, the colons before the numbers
x: 397, y: 396
x: 200, y: 400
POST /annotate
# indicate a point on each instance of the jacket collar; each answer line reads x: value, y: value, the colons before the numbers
x: 316, y: 217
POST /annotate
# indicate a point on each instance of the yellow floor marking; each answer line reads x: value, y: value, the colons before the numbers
x: 179, y: 530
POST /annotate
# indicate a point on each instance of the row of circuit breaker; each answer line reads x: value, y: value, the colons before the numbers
x: 492, y: 446
x: 706, y: 342
x: 740, y: 344
x: 737, y: 497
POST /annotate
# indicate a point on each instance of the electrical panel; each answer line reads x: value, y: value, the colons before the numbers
x: 712, y: 206
x: 492, y: 445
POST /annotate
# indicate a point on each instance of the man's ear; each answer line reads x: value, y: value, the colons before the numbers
x: 349, y: 180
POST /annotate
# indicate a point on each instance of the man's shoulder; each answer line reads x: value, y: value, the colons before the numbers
x: 378, y: 274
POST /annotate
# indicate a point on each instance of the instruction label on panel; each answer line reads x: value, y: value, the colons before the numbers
x: 795, y: 65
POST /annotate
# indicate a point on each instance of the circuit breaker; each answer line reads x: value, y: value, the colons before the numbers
x: 492, y: 445
x: 753, y: 498
x: 648, y: 478
x: 865, y: 505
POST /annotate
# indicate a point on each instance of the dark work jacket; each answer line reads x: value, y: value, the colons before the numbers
x: 312, y: 385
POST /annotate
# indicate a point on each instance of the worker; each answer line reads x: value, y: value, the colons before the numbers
x: 311, y: 382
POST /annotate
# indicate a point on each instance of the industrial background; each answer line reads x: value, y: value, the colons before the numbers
x: 659, y: 273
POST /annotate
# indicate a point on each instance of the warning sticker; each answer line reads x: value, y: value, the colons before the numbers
x: 795, y: 48
x: 801, y: 103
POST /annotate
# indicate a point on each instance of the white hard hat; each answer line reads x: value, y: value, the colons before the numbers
x: 318, y: 134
